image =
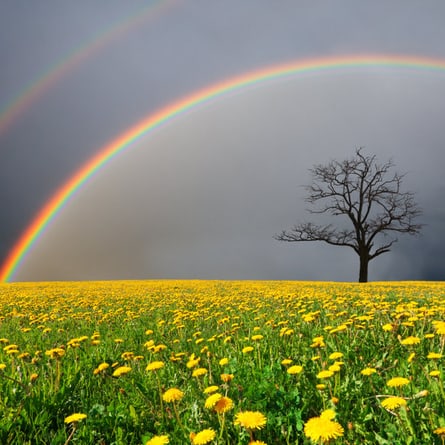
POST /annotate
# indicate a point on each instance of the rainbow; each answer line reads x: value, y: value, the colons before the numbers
x: 191, y: 102
x: 17, y: 106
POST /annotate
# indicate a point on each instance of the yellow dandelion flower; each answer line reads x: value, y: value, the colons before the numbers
x: 257, y: 442
x: 33, y: 377
x: 320, y: 386
x: 328, y: 414
x: 410, y: 341
x: 211, y: 400
x: 227, y: 377
x: 74, y: 418
x: 325, y: 374
x: 211, y: 389
x: 397, y: 382
x: 154, y: 366
x: 321, y: 429
x: 368, y: 371
x: 257, y: 337
x: 55, y: 353
x: 336, y: 355
x: 296, y: 369
x: 334, y: 368
x: 172, y: 395
x: 393, y: 402
x: 148, y: 332
x: 435, y: 373
x: 198, y: 372
x: 388, y: 327
x: 2, y: 366
x: 411, y: 357
x: 121, y: 370
x: 286, y: 361
x: 223, y: 405
x: 434, y: 356
x: 247, y: 349
x: 224, y: 361
x: 204, y: 437
x: 251, y: 420
x: 158, y: 440
x: 440, y: 431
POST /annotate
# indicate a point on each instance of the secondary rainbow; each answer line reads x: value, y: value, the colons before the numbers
x: 191, y: 102
x: 17, y: 106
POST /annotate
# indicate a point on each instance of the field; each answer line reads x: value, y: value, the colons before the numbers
x: 197, y: 362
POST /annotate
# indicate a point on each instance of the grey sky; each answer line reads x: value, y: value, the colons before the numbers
x: 203, y: 196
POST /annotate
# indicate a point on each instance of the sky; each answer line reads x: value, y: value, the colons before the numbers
x: 204, y: 194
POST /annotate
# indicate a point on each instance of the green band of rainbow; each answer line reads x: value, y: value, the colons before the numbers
x: 50, y: 210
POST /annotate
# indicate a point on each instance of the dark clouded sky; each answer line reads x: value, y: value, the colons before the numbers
x: 203, y: 196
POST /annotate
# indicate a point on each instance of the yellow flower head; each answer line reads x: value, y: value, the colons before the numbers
x: 434, y: 355
x: 322, y: 429
x: 223, y: 405
x: 122, y: 370
x: 247, y: 349
x: 286, y: 361
x: 224, y: 361
x: 211, y: 400
x: 325, y: 374
x: 227, y: 377
x: 336, y: 355
x: 211, y: 389
x: 368, y: 371
x: 199, y: 372
x: 397, y: 382
x: 154, y: 366
x: 410, y: 341
x: 393, y: 402
x: 296, y: 369
x: 204, y: 437
x: 158, y: 440
x: 440, y: 431
x: 251, y: 420
x: 172, y: 395
x: 74, y: 418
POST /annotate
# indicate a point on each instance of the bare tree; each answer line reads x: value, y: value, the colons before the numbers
x: 370, y: 196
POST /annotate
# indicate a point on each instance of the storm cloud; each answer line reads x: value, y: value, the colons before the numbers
x: 202, y: 196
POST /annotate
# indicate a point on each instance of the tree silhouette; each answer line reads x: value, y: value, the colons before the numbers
x: 370, y: 196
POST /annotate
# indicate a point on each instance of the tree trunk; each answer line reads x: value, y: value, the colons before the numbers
x: 364, y: 261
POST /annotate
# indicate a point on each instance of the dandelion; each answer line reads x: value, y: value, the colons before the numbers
x: 251, y: 420
x: 100, y: 368
x: 440, y: 431
x: 199, y: 372
x: 322, y: 429
x: 397, y: 382
x: 434, y: 356
x: 172, y: 395
x: 121, y: 370
x: 210, y: 389
x: 223, y: 405
x: 393, y: 402
x: 224, y: 361
x: 154, y: 366
x: 204, y: 437
x: 286, y: 361
x: 2, y: 366
x: 247, y: 349
x: 336, y: 355
x: 387, y: 327
x: 410, y: 341
x: 257, y: 337
x: 296, y: 369
x: 158, y: 440
x: 434, y: 373
x: 325, y: 374
x: 368, y: 371
x: 411, y: 357
x: 211, y: 400
x: 55, y: 353
x: 226, y: 378
x: 74, y: 418
x: 257, y: 442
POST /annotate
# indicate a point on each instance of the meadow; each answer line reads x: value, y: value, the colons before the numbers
x: 214, y: 362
